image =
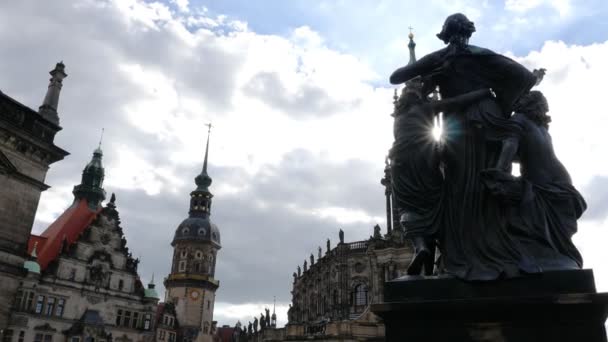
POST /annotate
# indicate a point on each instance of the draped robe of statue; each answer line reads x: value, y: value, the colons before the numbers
x: 473, y: 239
x: 416, y: 175
x: 542, y: 204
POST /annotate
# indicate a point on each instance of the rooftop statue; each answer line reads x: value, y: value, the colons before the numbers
x: 458, y: 207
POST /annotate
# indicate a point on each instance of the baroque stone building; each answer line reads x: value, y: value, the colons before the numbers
x: 26, y: 152
x: 191, y: 286
x: 331, y: 297
x: 82, y: 282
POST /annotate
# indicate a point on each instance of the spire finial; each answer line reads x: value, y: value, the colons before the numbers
x: 207, y: 147
x: 152, y: 280
x: 101, y: 138
x: 411, y: 46
x: 274, y: 304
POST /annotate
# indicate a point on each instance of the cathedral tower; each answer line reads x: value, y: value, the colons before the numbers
x: 191, y: 285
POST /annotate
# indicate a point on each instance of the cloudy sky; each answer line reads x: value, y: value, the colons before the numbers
x: 298, y: 93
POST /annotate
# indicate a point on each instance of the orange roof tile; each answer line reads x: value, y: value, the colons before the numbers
x: 68, y: 226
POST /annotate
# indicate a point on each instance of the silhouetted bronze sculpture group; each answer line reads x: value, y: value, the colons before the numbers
x: 458, y: 194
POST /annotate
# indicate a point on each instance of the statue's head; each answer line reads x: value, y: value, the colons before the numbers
x: 535, y: 106
x: 457, y: 28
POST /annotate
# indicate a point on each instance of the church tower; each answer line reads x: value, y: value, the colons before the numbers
x: 191, y: 285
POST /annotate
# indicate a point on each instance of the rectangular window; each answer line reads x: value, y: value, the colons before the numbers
x: 8, y: 335
x: 161, y: 335
x: 60, y: 307
x: 38, y: 338
x: 48, y: 338
x: 29, y: 301
x: 135, y: 320
x: 147, y: 319
x: 119, y: 318
x: 75, y: 339
x: 21, y: 336
x: 182, y: 266
x: 50, y: 306
x: 171, y: 337
x: 18, y: 299
x: 165, y: 320
x: 127, y: 321
x: 39, y: 304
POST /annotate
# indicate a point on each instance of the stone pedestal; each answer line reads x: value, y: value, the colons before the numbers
x: 553, y: 306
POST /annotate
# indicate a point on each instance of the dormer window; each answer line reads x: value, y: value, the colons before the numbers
x: 202, y: 231
x: 185, y: 230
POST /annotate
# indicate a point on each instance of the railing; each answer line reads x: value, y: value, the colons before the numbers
x: 357, y: 245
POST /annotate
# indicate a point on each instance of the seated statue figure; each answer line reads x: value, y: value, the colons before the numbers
x: 542, y: 203
x: 415, y: 170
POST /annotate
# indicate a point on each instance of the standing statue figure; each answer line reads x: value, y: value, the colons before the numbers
x: 312, y: 259
x: 543, y: 206
x: 255, y: 325
x: 262, y: 321
x: 299, y: 271
x: 319, y: 253
x: 341, y: 235
x: 250, y: 328
x: 267, y: 317
x: 305, y: 266
x: 474, y: 241
x: 416, y: 175
x: 328, y: 246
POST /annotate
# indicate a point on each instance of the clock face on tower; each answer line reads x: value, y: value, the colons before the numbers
x: 194, y: 294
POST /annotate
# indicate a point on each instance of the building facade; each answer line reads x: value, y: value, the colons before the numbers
x: 26, y: 152
x: 191, y: 286
x: 82, y: 283
x: 331, y: 297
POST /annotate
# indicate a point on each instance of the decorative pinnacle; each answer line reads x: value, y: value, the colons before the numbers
x: 411, y: 35
x: 34, y: 254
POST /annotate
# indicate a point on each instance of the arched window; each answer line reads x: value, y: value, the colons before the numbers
x: 199, y: 255
x: 360, y: 295
x: 185, y: 230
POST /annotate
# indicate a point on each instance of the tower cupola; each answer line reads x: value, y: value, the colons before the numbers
x: 198, y: 226
x: 91, y: 185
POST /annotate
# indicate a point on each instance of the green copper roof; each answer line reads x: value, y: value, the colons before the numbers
x: 151, y: 293
x: 32, y: 266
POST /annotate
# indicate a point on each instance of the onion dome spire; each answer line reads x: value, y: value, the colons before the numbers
x: 198, y: 227
x: 411, y: 46
x: 150, y: 292
x: 90, y: 187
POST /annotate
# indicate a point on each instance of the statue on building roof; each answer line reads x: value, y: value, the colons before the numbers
x: 299, y: 271
x: 328, y: 246
x: 341, y: 235
x: 312, y: 259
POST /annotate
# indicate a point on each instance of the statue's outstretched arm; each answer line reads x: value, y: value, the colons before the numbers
x: 422, y: 67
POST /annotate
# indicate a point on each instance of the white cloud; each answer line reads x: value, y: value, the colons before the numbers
x: 563, y: 7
